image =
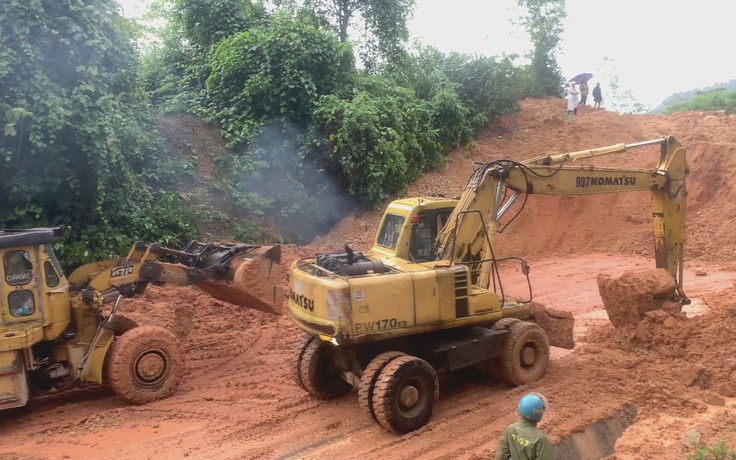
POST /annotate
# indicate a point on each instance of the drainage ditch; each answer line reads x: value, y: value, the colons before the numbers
x: 598, y: 440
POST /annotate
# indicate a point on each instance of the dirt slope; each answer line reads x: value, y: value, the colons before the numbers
x: 238, y: 402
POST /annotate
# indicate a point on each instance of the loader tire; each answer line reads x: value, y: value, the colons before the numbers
x: 315, y: 373
x: 405, y: 394
x: 145, y: 364
x: 504, y: 323
x: 525, y: 354
x: 369, y: 378
x: 296, y: 359
x: 121, y: 324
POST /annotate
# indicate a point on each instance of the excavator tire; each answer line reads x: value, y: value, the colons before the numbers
x: 315, y: 374
x: 296, y: 359
x: 369, y: 377
x: 504, y: 323
x: 145, y: 364
x: 405, y: 394
x: 525, y: 354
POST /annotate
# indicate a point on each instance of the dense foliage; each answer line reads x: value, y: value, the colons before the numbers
x: 685, y: 96
x: 714, y: 99
x: 309, y: 133
x: 77, y: 148
x: 274, y: 73
x: 304, y: 125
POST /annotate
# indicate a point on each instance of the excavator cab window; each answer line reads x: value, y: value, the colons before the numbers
x: 18, y: 268
x: 421, y: 239
x: 389, y: 235
x: 426, y: 226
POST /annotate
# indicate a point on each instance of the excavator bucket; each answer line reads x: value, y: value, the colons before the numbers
x: 558, y: 324
x: 628, y: 298
x: 253, y: 280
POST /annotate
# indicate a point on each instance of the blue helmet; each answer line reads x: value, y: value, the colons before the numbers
x: 532, y: 406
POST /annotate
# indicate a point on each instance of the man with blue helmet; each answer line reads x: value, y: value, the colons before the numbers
x: 522, y: 440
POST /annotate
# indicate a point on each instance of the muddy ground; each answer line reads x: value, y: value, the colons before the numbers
x: 676, y: 372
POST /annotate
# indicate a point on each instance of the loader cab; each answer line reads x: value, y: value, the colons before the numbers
x: 32, y: 281
x: 410, y: 226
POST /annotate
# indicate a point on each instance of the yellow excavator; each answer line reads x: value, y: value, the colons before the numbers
x: 429, y: 296
x: 56, y: 332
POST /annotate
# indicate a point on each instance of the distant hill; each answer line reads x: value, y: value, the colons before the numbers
x: 685, y: 96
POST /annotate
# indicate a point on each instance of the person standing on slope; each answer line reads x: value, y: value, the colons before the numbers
x: 522, y: 440
x: 597, y: 95
x: 583, y: 92
x: 573, y: 95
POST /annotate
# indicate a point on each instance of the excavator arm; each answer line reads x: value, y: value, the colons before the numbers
x: 495, y: 186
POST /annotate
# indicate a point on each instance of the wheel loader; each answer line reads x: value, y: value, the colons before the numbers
x: 55, y: 331
x: 429, y: 297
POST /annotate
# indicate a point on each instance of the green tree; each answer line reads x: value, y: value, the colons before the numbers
x: 385, y: 23
x: 275, y: 73
x: 378, y: 141
x: 175, y: 71
x: 205, y: 22
x: 544, y: 23
x: 78, y: 148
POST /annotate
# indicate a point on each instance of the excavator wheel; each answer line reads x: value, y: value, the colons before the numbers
x: 405, y: 394
x: 315, y: 373
x: 369, y: 377
x: 504, y: 323
x: 525, y: 354
x: 296, y: 359
x: 145, y: 364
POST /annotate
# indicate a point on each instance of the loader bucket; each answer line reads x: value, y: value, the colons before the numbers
x: 254, y: 281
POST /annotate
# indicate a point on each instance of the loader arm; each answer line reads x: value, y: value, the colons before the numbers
x: 495, y: 186
x: 238, y: 273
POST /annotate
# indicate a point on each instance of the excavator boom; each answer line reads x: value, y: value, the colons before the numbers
x: 495, y: 186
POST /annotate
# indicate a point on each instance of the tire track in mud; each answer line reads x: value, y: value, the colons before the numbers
x: 239, y: 371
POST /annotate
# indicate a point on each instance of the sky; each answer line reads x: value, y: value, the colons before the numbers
x: 653, y: 47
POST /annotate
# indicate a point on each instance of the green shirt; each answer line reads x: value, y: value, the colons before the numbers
x: 524, y: 441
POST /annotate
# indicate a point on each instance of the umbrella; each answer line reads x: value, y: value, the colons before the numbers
x: 581, y: 77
